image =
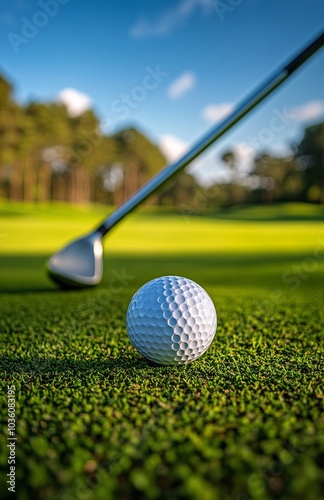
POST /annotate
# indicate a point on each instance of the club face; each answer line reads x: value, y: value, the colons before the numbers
x: 79, y: 264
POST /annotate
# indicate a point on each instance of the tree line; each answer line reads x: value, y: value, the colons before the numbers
x: 268, y: 178
x: 48, y: 155
x: 296, y: 177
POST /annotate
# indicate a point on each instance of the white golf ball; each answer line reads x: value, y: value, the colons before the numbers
x: 171, y: 320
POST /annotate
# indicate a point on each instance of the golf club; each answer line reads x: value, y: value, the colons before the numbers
x: 80, y: 264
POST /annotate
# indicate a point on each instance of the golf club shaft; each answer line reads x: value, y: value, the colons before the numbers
x: 242, y: 109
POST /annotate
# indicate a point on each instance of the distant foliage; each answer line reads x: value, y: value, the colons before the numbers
x: 298, y: 177
x: 47, y: 155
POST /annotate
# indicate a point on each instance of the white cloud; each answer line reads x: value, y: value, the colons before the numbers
x: 215, y: 112
x: 181, y: 85
x: 172, y: 147
x: 75, y: 101
x: 308, y: 111
x: 169, y: 19
x: 244, y: 152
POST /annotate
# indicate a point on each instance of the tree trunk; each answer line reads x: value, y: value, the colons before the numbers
x: 15, y: 184
x: 43, y: 183
x: 80, y: 186
x: 29, y: 180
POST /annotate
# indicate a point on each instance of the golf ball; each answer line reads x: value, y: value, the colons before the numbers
x: 171, y: 320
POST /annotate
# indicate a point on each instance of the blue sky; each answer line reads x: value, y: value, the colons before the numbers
x: 171, y: 68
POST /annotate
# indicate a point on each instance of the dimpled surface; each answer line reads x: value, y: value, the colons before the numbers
x: 171, y: 320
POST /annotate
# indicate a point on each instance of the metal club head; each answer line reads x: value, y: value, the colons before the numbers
x: 79, y: 264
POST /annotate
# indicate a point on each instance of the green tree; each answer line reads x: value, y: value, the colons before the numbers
x: 278, y: 178
x: 184, y: 192
x: 47, y: 154
x: 310, y: 157
x: 10, y: 129
x: 230, y: 159
x: 45, y: 127
x: 140, y: 159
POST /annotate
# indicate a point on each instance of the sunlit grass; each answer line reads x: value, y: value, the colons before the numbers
x: 43, y: 229
x: 95, y: 419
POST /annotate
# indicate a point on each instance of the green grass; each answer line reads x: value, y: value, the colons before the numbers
x: 95, y: 420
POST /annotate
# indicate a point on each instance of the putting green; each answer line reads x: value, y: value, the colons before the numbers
x: 95, y: 420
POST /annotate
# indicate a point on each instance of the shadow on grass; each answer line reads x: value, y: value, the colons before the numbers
x: 24, y: 274
x: 49, y: 365
x: 272, y: 212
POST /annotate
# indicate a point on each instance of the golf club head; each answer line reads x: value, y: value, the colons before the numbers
x: 79, y: 264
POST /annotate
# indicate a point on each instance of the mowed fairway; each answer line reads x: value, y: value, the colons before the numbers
x: 95, y: 420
